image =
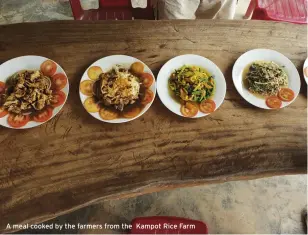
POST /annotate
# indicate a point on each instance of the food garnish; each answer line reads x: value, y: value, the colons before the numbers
x: 207, y: 106
x: 286, y: 94
x: 273, y: 102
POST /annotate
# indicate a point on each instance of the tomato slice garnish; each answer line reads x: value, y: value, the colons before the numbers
x: 189, y: 109
x: 148, y: 97
x: 90, y: 105
x: 48, y: 68
x: 147, y: 79
x: 86, y: 87
x: 108, y: 114
x: 94, y: 72
x: 43, y: 116
x: 207, y: 106
x: 59, y: 81
x: 137, y: 68
x: 58, y: 98
x: 17, y: 121
x: 273, y: 102
x: 132, y: 112
x: 2, y: 87
x: 306, y: 72
x: 286, y: 94
x: 3, y: 112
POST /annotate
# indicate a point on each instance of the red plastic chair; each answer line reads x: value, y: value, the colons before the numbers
x: 167, y: 225
x: 112, y: 10
x: 294, y: 11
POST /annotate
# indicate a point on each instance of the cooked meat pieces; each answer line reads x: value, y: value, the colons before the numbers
x: 27, y: 90
x: 118, y: 88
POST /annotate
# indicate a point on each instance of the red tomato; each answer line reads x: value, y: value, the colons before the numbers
x: 17, y: 121
x: 148, y: 97
x: 58, y: 98
x: 48, y: 68
x: 131, y: 112
x: 59, y: 81
x: 273, y: 102
x: 286, y: 94
x: 189, y: 109
x: 3, y: 112
x: 207, y: 106
x: 147, y: 79
x: 43, y: 116
x: 2, y: 87
x: 108, y: 114
x: 306, y: 72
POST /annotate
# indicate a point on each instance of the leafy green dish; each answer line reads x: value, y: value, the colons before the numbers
x: 192, y: 83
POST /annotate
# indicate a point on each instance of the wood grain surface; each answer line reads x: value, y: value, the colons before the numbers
x: 74, y: 160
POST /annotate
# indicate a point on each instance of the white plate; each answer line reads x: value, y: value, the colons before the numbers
x: 106, y: 64
x: 305, y: 70
x: 176, y: 63
x: 29, y: 62
x: 266, y: 55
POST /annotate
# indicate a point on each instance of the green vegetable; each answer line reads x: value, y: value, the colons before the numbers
x: 192, y: 83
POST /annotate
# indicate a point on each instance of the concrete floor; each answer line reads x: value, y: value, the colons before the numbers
x: 269, y: 205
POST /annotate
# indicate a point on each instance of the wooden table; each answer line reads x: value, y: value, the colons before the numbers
x: 75, y: 160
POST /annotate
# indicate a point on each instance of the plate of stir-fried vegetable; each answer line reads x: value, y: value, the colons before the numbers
x: 191, y: 86
x: 266, y: 78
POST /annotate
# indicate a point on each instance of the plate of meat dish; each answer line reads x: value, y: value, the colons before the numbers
x: 117, y: 89
x: 33, y: 89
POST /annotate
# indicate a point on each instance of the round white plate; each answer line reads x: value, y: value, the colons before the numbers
x: 29, y: 62
x: 266, y: 55
x: 106, y: 64
x: 196, y: 60
x: 305, y: 70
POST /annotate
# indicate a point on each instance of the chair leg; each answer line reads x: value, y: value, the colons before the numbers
x: 76, y: 9
x: 250, y: 9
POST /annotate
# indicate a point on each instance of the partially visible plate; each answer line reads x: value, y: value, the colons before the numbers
x: 305, y: 70
x: 264, y: 55
x: 31, y: 62
x: 106, y: 64
x: 193, y: 60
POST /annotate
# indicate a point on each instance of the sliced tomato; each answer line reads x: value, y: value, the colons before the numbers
x: 286, y: 94
x: 306, y: 72
x: 132, y: 112
x: 137, y: 68
x: 90, y: 105
x: 189, y: 109
x: 147, y: 79
x: 86, y: 87
x: 3, y: 112
x: 273, y: 102
x: 43, y: 116
x: 94, y: 72
x: 148, y: 97
x: 207, y: 106
x: 59, y: 81
x: 108, y: 114
x: 58, y: 98
x: 48, y: 68
x: 2, y: 87
x: 17, y: 121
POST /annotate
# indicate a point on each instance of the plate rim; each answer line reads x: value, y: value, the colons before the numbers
x: 305, y: 65
x: 60, y: 107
